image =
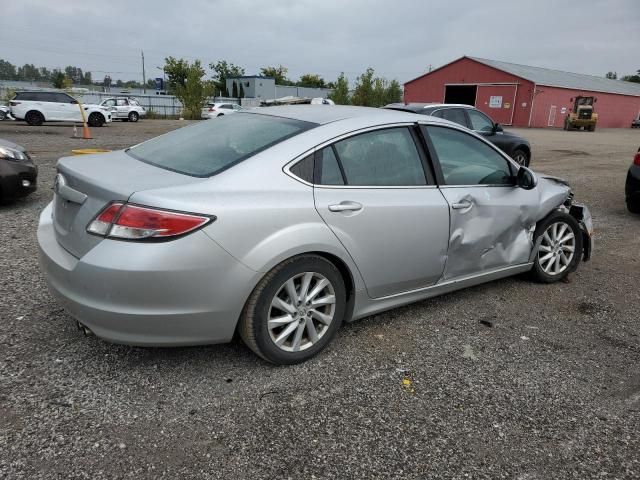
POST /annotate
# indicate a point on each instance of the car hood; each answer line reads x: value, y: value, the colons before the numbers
x: 8, y: 144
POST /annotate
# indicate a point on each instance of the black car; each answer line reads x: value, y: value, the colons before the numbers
x: 635, y: 123
x: 18, y: 173
x: 632, y: 186
x: 516, y: 147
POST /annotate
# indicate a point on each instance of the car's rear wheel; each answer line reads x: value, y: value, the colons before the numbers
x: 560, y: 247
x: 3, y: 115
x: 633, y: 204
x: 133, y: 116
x: 521, y: 157
x: 295, y: 310
x: 34, y: 118
x: 96, y: 119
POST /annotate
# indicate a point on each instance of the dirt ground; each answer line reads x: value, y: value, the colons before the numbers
x: 510, y: 379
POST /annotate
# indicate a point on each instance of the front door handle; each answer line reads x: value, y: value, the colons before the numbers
x: 462, y: 205
x: 345, y: 207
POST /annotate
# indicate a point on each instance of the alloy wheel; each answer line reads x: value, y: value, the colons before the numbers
x: 301, y: 311
x: 521, y: 159
x: 557, y: 248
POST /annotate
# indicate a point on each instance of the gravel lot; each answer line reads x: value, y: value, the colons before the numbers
x: 507, y: 380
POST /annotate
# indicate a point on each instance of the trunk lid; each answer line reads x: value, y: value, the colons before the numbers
x: 85, y: 184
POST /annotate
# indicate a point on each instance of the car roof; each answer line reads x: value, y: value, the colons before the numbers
x: 323, y: 114
x: 419, y: 106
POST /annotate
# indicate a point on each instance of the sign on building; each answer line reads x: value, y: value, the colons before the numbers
x: 495, y: 102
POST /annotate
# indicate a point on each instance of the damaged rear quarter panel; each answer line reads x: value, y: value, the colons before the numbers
x: 497, y: 229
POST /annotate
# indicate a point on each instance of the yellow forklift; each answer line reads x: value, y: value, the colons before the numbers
x: 582, y: 114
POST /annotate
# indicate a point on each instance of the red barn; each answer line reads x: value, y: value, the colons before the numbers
x: 524, y: 96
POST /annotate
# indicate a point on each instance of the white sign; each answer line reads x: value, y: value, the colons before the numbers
x: 495, y: 102
x: 564, y: 110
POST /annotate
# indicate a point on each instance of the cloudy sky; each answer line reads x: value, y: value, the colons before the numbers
x: 398, y: 39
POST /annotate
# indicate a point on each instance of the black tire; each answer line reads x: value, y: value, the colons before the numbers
x: 253, y: 327
x: 3, y: 115
x: 34, y: 118
x: 133, y: 116
x: 96, y: 119
x: 220, y: 115
x: 538, y: 273
x: 521, y: 157
x: 633, y: 204
x: 592, y: 128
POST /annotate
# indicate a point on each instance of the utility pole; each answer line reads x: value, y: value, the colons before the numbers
x: 144, y: 80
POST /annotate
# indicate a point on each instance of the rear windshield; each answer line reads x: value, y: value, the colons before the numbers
x: 211, y: 146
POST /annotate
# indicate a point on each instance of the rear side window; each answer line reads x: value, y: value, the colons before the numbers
x: 480, y: 122
x: 455, y: 115
x: 381, y: 158
x: 328, y: 172
x: 207, y: 148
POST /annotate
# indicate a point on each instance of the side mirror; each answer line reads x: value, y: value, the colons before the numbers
x: 497, y: 128
x: 74, y: 102
x: 526, y: 179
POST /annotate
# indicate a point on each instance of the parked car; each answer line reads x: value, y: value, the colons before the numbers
x: 632, y: 185
x: 282, y: 223
x: 125, y: 109
x: 213, y: 110
x: 5, y: 113
x: 513, y: 145
x: 38, y: 107
x: 635, y: 123
x: 18, y: 173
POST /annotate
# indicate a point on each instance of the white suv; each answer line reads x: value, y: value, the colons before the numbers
x: 38, y: 107
x: 213, y: 110
x: 125, y: 109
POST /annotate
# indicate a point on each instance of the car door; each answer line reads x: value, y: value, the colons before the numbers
x: 122, y: 107
x: 374, y: 193
x: 68, y: 107
x: 483, y: 125
x: 492, y: 220
x: 50, y: 105
x: 110, y: 104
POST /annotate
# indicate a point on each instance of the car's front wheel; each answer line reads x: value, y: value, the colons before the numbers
x: 295, y: 310
x: 521, y: 157
x: 96, y: 119
x: 560, y: 249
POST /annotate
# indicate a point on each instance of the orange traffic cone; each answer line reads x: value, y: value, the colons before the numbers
x: 86, y: 134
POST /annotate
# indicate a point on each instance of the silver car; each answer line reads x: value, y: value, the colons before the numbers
x: 283, y: 222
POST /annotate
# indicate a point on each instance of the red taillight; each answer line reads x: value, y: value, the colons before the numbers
x: 132, y: 222
x: 636, y: 159
x: 211, y: 109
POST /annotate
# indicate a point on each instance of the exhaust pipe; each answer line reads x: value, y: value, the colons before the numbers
x: 86, y: 330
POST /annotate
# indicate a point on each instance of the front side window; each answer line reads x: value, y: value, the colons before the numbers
x: 109, y: 103
x: 381, y: 158
x: 479, y: 121
x: 62, y: 98
x: 207, y: 148
x: 465, y: 160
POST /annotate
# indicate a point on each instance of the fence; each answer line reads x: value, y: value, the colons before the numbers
x: 160, y: 105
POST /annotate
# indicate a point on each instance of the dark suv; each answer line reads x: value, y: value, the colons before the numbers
x: 516, y: 147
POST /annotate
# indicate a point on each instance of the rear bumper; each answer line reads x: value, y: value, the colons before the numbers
x: 184, y: 292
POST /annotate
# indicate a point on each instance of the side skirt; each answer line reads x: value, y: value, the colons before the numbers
x: 365, y: 306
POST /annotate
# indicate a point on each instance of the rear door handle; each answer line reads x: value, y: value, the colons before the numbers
x: 345, y: 207
x: 462, y: 205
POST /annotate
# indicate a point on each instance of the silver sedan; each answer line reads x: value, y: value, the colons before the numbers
x: 282, y: 223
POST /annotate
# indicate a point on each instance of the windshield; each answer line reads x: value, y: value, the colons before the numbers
x: 211, y: 146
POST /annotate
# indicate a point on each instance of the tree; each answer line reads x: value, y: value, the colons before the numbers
x: 7, y: 70
x: 632, y: 78
x: 279, y: 73
x: 363, y: 93
x: 195, y: 91
x: 340, y: 94
x: 28, y: 72
x: 58, y: 79
x: 86, y: 79
x: 311, y: 80
x: 224, y: 70
x: 177, y: 72
x: 612, y: 75
x: 393, y: 93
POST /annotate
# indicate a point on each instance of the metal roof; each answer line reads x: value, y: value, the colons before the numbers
x: 558, y: 78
